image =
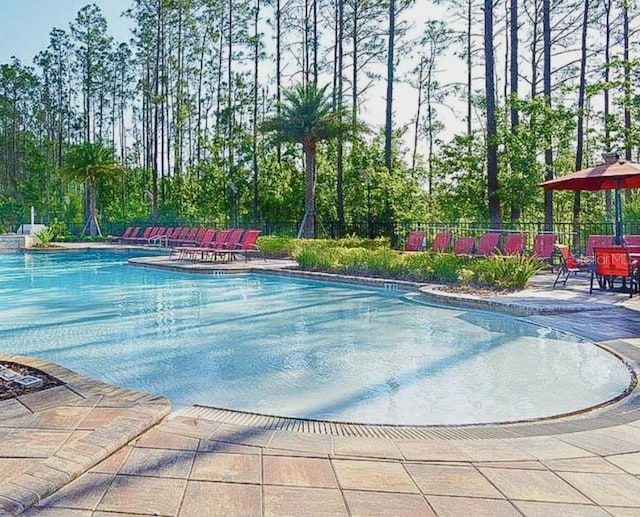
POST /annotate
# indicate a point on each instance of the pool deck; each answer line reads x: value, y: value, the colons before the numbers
x: 90, y: 449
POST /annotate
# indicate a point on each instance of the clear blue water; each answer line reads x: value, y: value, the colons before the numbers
x: 290, y: 347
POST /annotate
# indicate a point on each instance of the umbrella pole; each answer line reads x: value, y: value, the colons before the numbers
x: 618, y: 217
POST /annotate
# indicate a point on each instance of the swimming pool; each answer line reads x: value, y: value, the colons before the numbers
x: 293, y: 348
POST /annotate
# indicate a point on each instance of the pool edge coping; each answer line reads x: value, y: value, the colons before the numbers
x: 74, y: 456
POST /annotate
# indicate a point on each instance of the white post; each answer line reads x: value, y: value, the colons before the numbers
x: 33, y: 220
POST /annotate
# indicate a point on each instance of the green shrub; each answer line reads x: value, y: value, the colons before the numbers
x: 58, y: 230
x: 274, y: 244
x: 499, y: 272
x: 44, y: 236
x: 511, y: 272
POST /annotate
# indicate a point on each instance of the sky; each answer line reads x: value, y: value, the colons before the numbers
x: 25, y: 24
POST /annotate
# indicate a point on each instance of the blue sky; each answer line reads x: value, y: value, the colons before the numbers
x: 25, y: 24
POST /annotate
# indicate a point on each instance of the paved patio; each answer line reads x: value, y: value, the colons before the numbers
x: 88, y: 449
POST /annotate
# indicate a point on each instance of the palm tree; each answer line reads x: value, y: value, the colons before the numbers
x: 89, y: 163
x: 306, y: 117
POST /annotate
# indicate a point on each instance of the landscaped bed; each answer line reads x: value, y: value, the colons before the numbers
x: 34, y: 380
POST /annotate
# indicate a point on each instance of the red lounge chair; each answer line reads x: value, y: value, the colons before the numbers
x: 442, y: 242
x: 544, y: 245
x: 160, y: 238
x: 568, y: 266
x: 246, y: 246
x: 142, y: 238
x: 179, y: 235
x: 192, y: 251
x: 127, y: 233
x: 219, y: 242
x: 188, y: 237
x: 230, y: 244
x: 414, y: 241
x: 131, y: 235
x: 464, y: 245
x: 514, y: 244
x: 610, y: 263
x: 488, y: 244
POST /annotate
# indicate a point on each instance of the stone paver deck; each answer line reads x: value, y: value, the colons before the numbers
x: 93, y: 448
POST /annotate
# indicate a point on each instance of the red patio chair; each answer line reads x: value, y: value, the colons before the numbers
x: 544, y: 246
x: 414, y: 242
x: 442, y: 242
x: 464, y: 245
x: 127, y: 233
x: 613, y: 262
x: 192, y: 251
x: 568, y: 266
x: 514, y: 244
x: 187, y: 238
x: 596, y: 241
x: 246, y: 246
x: 218, y: 243
x: 142, y: 239
x: 179, y: 235
x: 131, y: 235
x: 632, y: 240
x: 488, y: 244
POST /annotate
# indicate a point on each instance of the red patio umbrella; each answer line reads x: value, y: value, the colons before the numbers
x: 614, y: 174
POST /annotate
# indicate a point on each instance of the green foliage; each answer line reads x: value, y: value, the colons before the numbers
x: 274, y: 244
x: 498, y: 272
x: 347, y: 242
x: 45, y: 236
x: 511, y: 272
x: 58, y: 230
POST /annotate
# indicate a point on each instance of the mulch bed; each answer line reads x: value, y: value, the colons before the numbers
x: 11, y: 389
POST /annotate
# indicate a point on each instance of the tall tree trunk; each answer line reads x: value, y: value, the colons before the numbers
x: 607, y: 103
x: 469, y: 73
x: 309, y: 228
x: 627, y: 80
x: 513, y: 83
x: 254, y: 144
x: 548, y: 152
x: 580, y: 122
x: 278, y: 70
x: 340, y: 144
x: 490, y: 94
x: 416, y: 124
x: 388, y: 128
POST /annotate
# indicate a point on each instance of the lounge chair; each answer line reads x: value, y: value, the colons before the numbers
x: 613, y: 262
x: 246, y: 246
x: 127, y: 233
x: 488, y: 244
x: 179, y: 235
x: 209, y: 249
x: 131, y: 235
x: 142, y: 239
x: 442, y: 242
x: 568, y: 266
x: 187, y: 238
x: 464, y: 245
x: 230, y: 244
x: 192, y: 251
x: 514, y: 244
x: 415, y: 241
x: 544, y: 246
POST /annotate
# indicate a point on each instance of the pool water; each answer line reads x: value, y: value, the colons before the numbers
x: 291, y: 347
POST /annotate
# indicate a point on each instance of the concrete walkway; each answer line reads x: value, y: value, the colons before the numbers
x: 216, y: 462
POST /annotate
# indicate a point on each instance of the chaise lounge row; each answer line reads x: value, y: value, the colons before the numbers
x: 486, y: 244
